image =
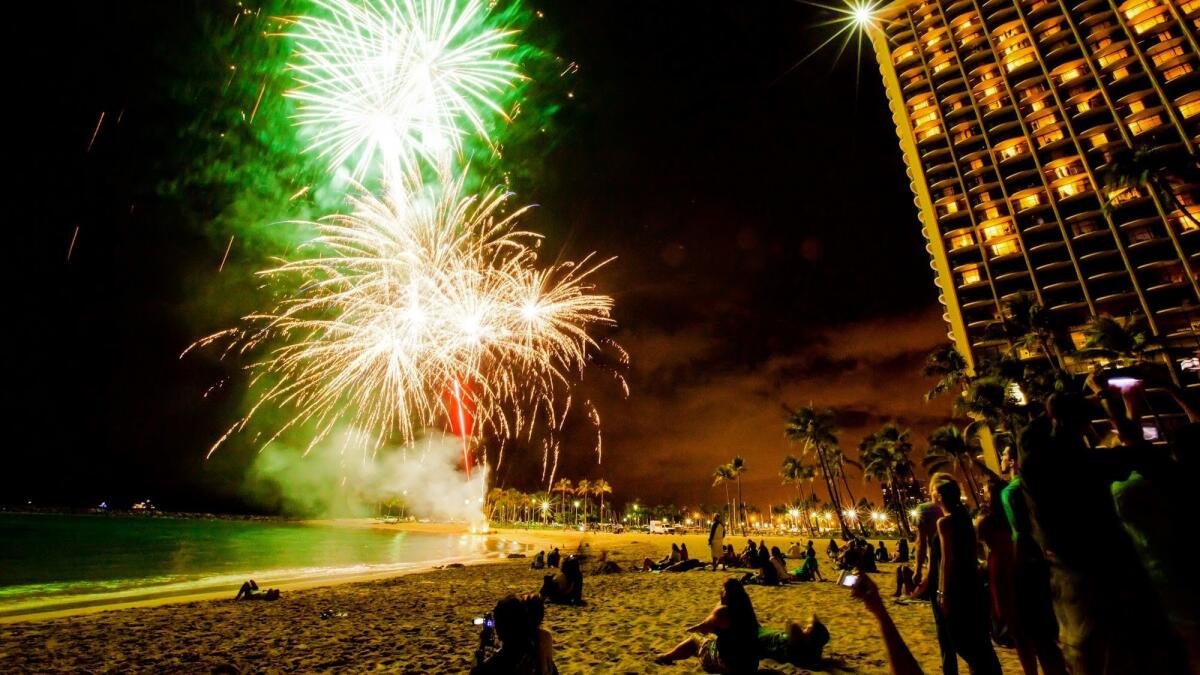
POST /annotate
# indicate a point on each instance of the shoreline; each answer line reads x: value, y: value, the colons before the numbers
x: 422, y: 620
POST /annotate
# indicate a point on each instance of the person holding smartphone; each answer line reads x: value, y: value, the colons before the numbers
x: 525, y: 647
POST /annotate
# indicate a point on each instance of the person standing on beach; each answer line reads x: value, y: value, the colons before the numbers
x: 716, y: 541
x: 929, y: 552
x: 961, y: 599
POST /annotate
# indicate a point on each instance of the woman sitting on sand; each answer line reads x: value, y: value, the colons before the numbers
x: 881, y: 553
x: 730, y: 559
x: 670, y: 559
x: 766, y: 575
x: 728, y: 638
x: 901, y: 551
x: 780, y: 564
x: 794, y: 550
x: 249, y: 591
x: 566, y: 587
x: 750, y: 554
x: 798, y: 645
x: 832, y: 550
x: 525, y: 647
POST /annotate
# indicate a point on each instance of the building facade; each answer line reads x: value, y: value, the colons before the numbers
x: 1011, y: 115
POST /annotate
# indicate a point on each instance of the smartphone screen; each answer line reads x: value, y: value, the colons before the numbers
x: 849, y: 580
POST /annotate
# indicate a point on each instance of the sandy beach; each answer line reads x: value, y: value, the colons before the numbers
x: 422, y: 622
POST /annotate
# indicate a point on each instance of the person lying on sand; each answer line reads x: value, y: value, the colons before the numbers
x: 525, y: 647
x: 798, y: 645
x: 566, y: 587
x: 727, y: 640
x: 249, y: 591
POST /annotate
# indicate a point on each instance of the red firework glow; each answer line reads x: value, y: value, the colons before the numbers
x: 460, y: 408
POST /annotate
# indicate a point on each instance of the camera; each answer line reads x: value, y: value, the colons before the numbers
x: 486, y: 621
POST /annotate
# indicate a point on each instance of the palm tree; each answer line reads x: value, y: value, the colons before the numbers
x: 953, y: 450
x: 885, y: 458
x: 1124, y: 341
x: 796, y: 472
x: 724, y: 474
x: 584, y: 489
x: 600, y: 487
x: 738, y: 467
x: 563, y: 486
x: 949, y: 366
x: 1146, y: 171
x: 817, y: 431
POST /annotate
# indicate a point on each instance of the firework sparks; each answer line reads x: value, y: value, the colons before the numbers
x: 71, y: 246
x: 404, y: 299
x: 96, y: 132
x: 228, y: 247
x: 384, y: 83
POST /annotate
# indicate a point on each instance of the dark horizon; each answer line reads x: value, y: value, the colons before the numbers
x: 768, y: 253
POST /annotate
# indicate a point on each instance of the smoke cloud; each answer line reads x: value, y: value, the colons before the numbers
x: 335, y: 480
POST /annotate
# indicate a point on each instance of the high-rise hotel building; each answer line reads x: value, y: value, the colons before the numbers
x: 1009, y: 113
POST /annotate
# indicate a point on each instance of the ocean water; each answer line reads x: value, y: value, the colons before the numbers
x: 53, y: 562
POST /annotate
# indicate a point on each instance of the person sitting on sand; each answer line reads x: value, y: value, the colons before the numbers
x: 727, y: 640
x: 906, y: 581
x: 780, y: 564
x: 766, y: 575
x: 901, y: 551
x: 798, y: 645
x: 671, y: 558
x: 794, y: 550
x: 683, y: 552
x: 881, y: 553
x: 730, y: 559
x: 866, y: 557
x: 810, y: 570
x: 832, y: 550
x: 566, y: 587
x: 764, y: 556
x: 553, y: 558
x: 539, y: 561
x: 525, y: 647
x: 249, y: 591
x: 750, y: 554
x: 606, y: 566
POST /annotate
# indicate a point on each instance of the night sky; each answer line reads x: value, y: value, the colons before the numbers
x: 768, y: 251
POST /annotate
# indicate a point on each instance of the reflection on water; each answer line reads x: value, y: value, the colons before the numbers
x: 61, y: 561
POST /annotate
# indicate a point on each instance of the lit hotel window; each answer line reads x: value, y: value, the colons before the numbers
x: 1071, y: 189
x: 1098, y: 140
x: 927, y: 117
x: 961, y: 241
x: 1004, y: 248
x: 1012, y: 151
x: 1132, y: 11
x: 1112, y: 57
x: 1189, y: 6
x: 1188, y: 223
x: 971, y: 275
x: 1120, y: 74
x: 1029, y: 201
x: 1167, y: 54
x: 1189, y: 109
x: 1049, y: 137
x: 1069, y: 169
x: 1143, y: 26
x: 1181, y: 69
x: 1084, y: 106
x: 1145, y: 124
x: 976, y: 164
x: 930, y: 132
x: 1122, y: 195
x: 964, y: 135
x: 1043, y: 121
x: 1069, y: 75
x: 998, y: 230
x: 1137, y: 106
x: 1018, y: 62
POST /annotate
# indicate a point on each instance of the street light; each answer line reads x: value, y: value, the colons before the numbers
x: 576, y: 511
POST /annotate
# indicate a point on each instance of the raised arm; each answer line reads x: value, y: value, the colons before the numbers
x: 900, y: 658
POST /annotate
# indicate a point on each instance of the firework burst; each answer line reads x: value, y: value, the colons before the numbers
x: 385, y: 83
x: 408, y: 297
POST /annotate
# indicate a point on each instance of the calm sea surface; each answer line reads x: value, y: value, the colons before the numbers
x: 50, y: 562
